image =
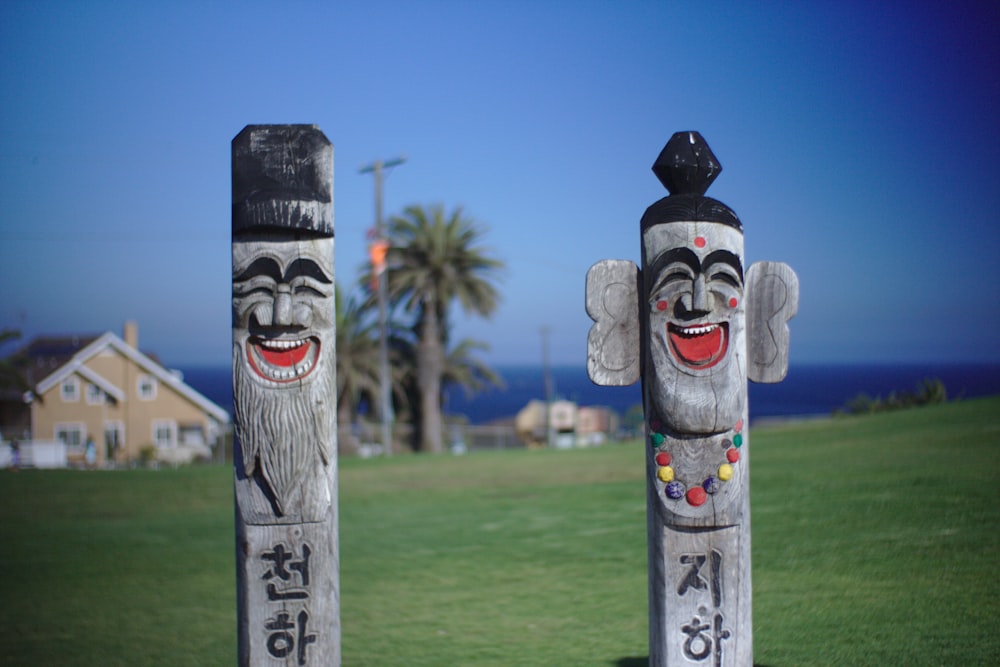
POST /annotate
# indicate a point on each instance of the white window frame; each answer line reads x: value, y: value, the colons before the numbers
x: 69, y: 389
x: 92, y: 399
x: 192, y: 428
x: 79, y: 428
x: 151, y: 396
x: 171, y: 426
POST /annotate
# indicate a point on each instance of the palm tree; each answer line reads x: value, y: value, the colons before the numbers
x: 466, y: 371
x: 13, y: 368
x: 434, y: 259
x: 357, y: 362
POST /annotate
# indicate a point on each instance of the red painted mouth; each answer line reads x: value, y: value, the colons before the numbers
x: 281, y: 360
x: 699, y: 346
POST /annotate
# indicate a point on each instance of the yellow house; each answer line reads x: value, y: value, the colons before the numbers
x: 127, y: 404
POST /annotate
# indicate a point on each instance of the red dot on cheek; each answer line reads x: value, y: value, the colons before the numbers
x: 661, y: 305
x: 699, y: 241
x: 733, y: 302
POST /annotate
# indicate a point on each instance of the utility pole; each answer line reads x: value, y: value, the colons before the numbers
x: 547, y: 378
x: 378, y: 249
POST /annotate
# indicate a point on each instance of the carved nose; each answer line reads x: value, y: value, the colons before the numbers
x: 700, y: 296
x: 696, y: 304
x: 282, y: 315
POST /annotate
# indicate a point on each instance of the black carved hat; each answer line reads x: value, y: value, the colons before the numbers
x: 283, y: 180
x: 686, y: 167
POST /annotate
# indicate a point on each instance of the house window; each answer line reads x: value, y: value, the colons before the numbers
x: 95, y: 396
x: 165, y: 433
x: 147, y: 387
x: 70, y: 390
x: 192, y: 435
x: 114, y: 437
x: 71, y: 434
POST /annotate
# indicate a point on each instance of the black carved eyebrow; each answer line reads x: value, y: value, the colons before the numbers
x: 265, y: 266
x: 682, y: 255
x: 725, y: 257
x: 308, y: 269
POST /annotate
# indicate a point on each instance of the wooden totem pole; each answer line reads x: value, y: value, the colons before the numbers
x: 284, y: 397
x: 695, y: 328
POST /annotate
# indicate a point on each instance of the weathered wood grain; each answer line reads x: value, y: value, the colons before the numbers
x: 613, y: 341
x: 695, y: 400
x: 685, y: 318
x: 772, y: 300
x: 289, y: 593
x: 700, y: 595
x: 284, y: 397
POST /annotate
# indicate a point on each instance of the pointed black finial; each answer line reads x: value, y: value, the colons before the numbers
x: 686, y: 165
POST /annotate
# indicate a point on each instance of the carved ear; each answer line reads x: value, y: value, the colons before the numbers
x: 613, y: 304
x: 772, y: 298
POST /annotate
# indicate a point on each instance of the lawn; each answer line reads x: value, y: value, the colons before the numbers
x: 874, y: 543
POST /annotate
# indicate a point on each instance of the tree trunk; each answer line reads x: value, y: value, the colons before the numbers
x: 346, y: 441
x: 430, y: 363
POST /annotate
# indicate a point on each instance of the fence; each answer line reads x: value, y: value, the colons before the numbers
x: 35, y: 454
x: 497, y: 436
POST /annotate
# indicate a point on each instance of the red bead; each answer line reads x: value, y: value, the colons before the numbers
x: 661, y: 305
x: 733, y: 302
x: 732, y: 455
x: 739, y: 426
x: 663, y: 459
x: 696, y: 496
x: 699, y: 241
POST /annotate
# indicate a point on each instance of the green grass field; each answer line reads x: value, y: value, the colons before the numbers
x: 875, y: 541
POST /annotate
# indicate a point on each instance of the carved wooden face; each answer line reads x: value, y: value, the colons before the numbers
x: 693, y: 277
x: 283, y: 308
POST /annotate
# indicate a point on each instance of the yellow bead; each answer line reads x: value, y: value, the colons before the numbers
x: 725, y: 472
x: 666, y: 474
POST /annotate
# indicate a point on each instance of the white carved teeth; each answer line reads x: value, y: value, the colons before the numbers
x: 698, y: 330
x: 279, y: 374
x: 281, y: 344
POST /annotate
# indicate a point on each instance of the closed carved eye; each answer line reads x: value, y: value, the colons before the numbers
x: 675, y: 276
x: 727, y: 278
x: 305, y: 286
x: 264, y: 285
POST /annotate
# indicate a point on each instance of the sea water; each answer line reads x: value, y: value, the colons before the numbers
x: 808, y: 390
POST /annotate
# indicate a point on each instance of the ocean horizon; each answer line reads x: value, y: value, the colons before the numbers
x: 808, y: 390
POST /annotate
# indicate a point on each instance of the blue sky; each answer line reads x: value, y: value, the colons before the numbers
x: 859, y: 142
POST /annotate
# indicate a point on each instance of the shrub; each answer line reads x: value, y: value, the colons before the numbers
x: 928, y: 392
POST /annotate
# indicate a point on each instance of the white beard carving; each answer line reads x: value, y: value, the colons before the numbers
x: 282, y: 430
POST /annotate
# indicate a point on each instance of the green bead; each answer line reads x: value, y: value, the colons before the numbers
x: 657, y: 439
x: 737, y: 439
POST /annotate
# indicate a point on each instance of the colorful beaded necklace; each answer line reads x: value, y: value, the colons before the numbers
x: 697, y: 494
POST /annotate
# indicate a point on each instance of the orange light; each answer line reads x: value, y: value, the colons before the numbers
x: 377, y: 252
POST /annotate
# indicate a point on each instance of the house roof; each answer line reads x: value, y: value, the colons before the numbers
x: 81, y: 349
x: 44, y: 354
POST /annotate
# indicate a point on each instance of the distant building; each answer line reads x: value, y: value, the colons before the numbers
x: 595, y: 424
x: 569, y: 424
x: 102, y: 389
